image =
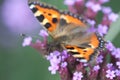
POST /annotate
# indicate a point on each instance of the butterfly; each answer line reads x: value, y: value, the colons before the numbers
x: 69, y: 31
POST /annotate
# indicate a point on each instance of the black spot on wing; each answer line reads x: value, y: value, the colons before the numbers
x: 70, y: 48
x: 47, y: 25
x: 34, y: 10
x: 49, y: 14
x: 80, y: 58
x: 73, y: 53
x: 84, y: 51
x: 54, y: 20
x: 82, y: 47
x: 40, y: 18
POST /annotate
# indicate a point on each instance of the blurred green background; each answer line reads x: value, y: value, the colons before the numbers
x: 25, y: 63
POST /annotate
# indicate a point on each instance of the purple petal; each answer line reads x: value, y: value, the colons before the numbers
x: 110, y: 74
x: 102, y: 29
x: 69, y: 2
x: 117, y: 72
x: 113, y: 17
x: 43, y: 33
x: 96, y: 68
x: 106, y: 10
x: 109, y: 65
x: 77, y: 76
x: 110, y: 46
x: 118, y: 64
x: 27, y: 41
x: 63, y: 64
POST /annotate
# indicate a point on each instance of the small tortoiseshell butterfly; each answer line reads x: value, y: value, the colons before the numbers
x: 69, y: 31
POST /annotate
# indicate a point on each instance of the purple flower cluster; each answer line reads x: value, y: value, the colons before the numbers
x: 106, y: 65
x: 57, y: 61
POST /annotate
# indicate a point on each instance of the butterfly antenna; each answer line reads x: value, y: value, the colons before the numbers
x: 33, y: 36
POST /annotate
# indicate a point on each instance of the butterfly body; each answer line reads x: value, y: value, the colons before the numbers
x: 68, y: 31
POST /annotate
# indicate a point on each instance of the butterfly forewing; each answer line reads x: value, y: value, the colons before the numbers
x: 47, y: 16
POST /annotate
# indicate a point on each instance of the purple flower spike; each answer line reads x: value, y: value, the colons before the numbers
x: 77, y: 76
x: 110, y: 74
x: 55, y: 60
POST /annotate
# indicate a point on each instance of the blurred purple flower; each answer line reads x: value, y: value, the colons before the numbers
x: 77, y: 76
x: 110, y: 46
x: 69, y: 2
x: 102, y: 29
x: 104, y: 1
x: 96, y: 7
x: 96, y: 68
x: 116, y: 52
x: 43, y: 33
x: 55, y: 60
x: 117, y: 72
x: 110, y: 74
x: 118, y: 64
x: 99, y: 59
x: 63, y: 64
x: 89, y: 4
x: 109, y: 65
x: 106, y: 10
x: 64, y: 55
x: 113, y: 17
x: 91, y: 22
x: 53, y: 68
x: 27, y: 41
